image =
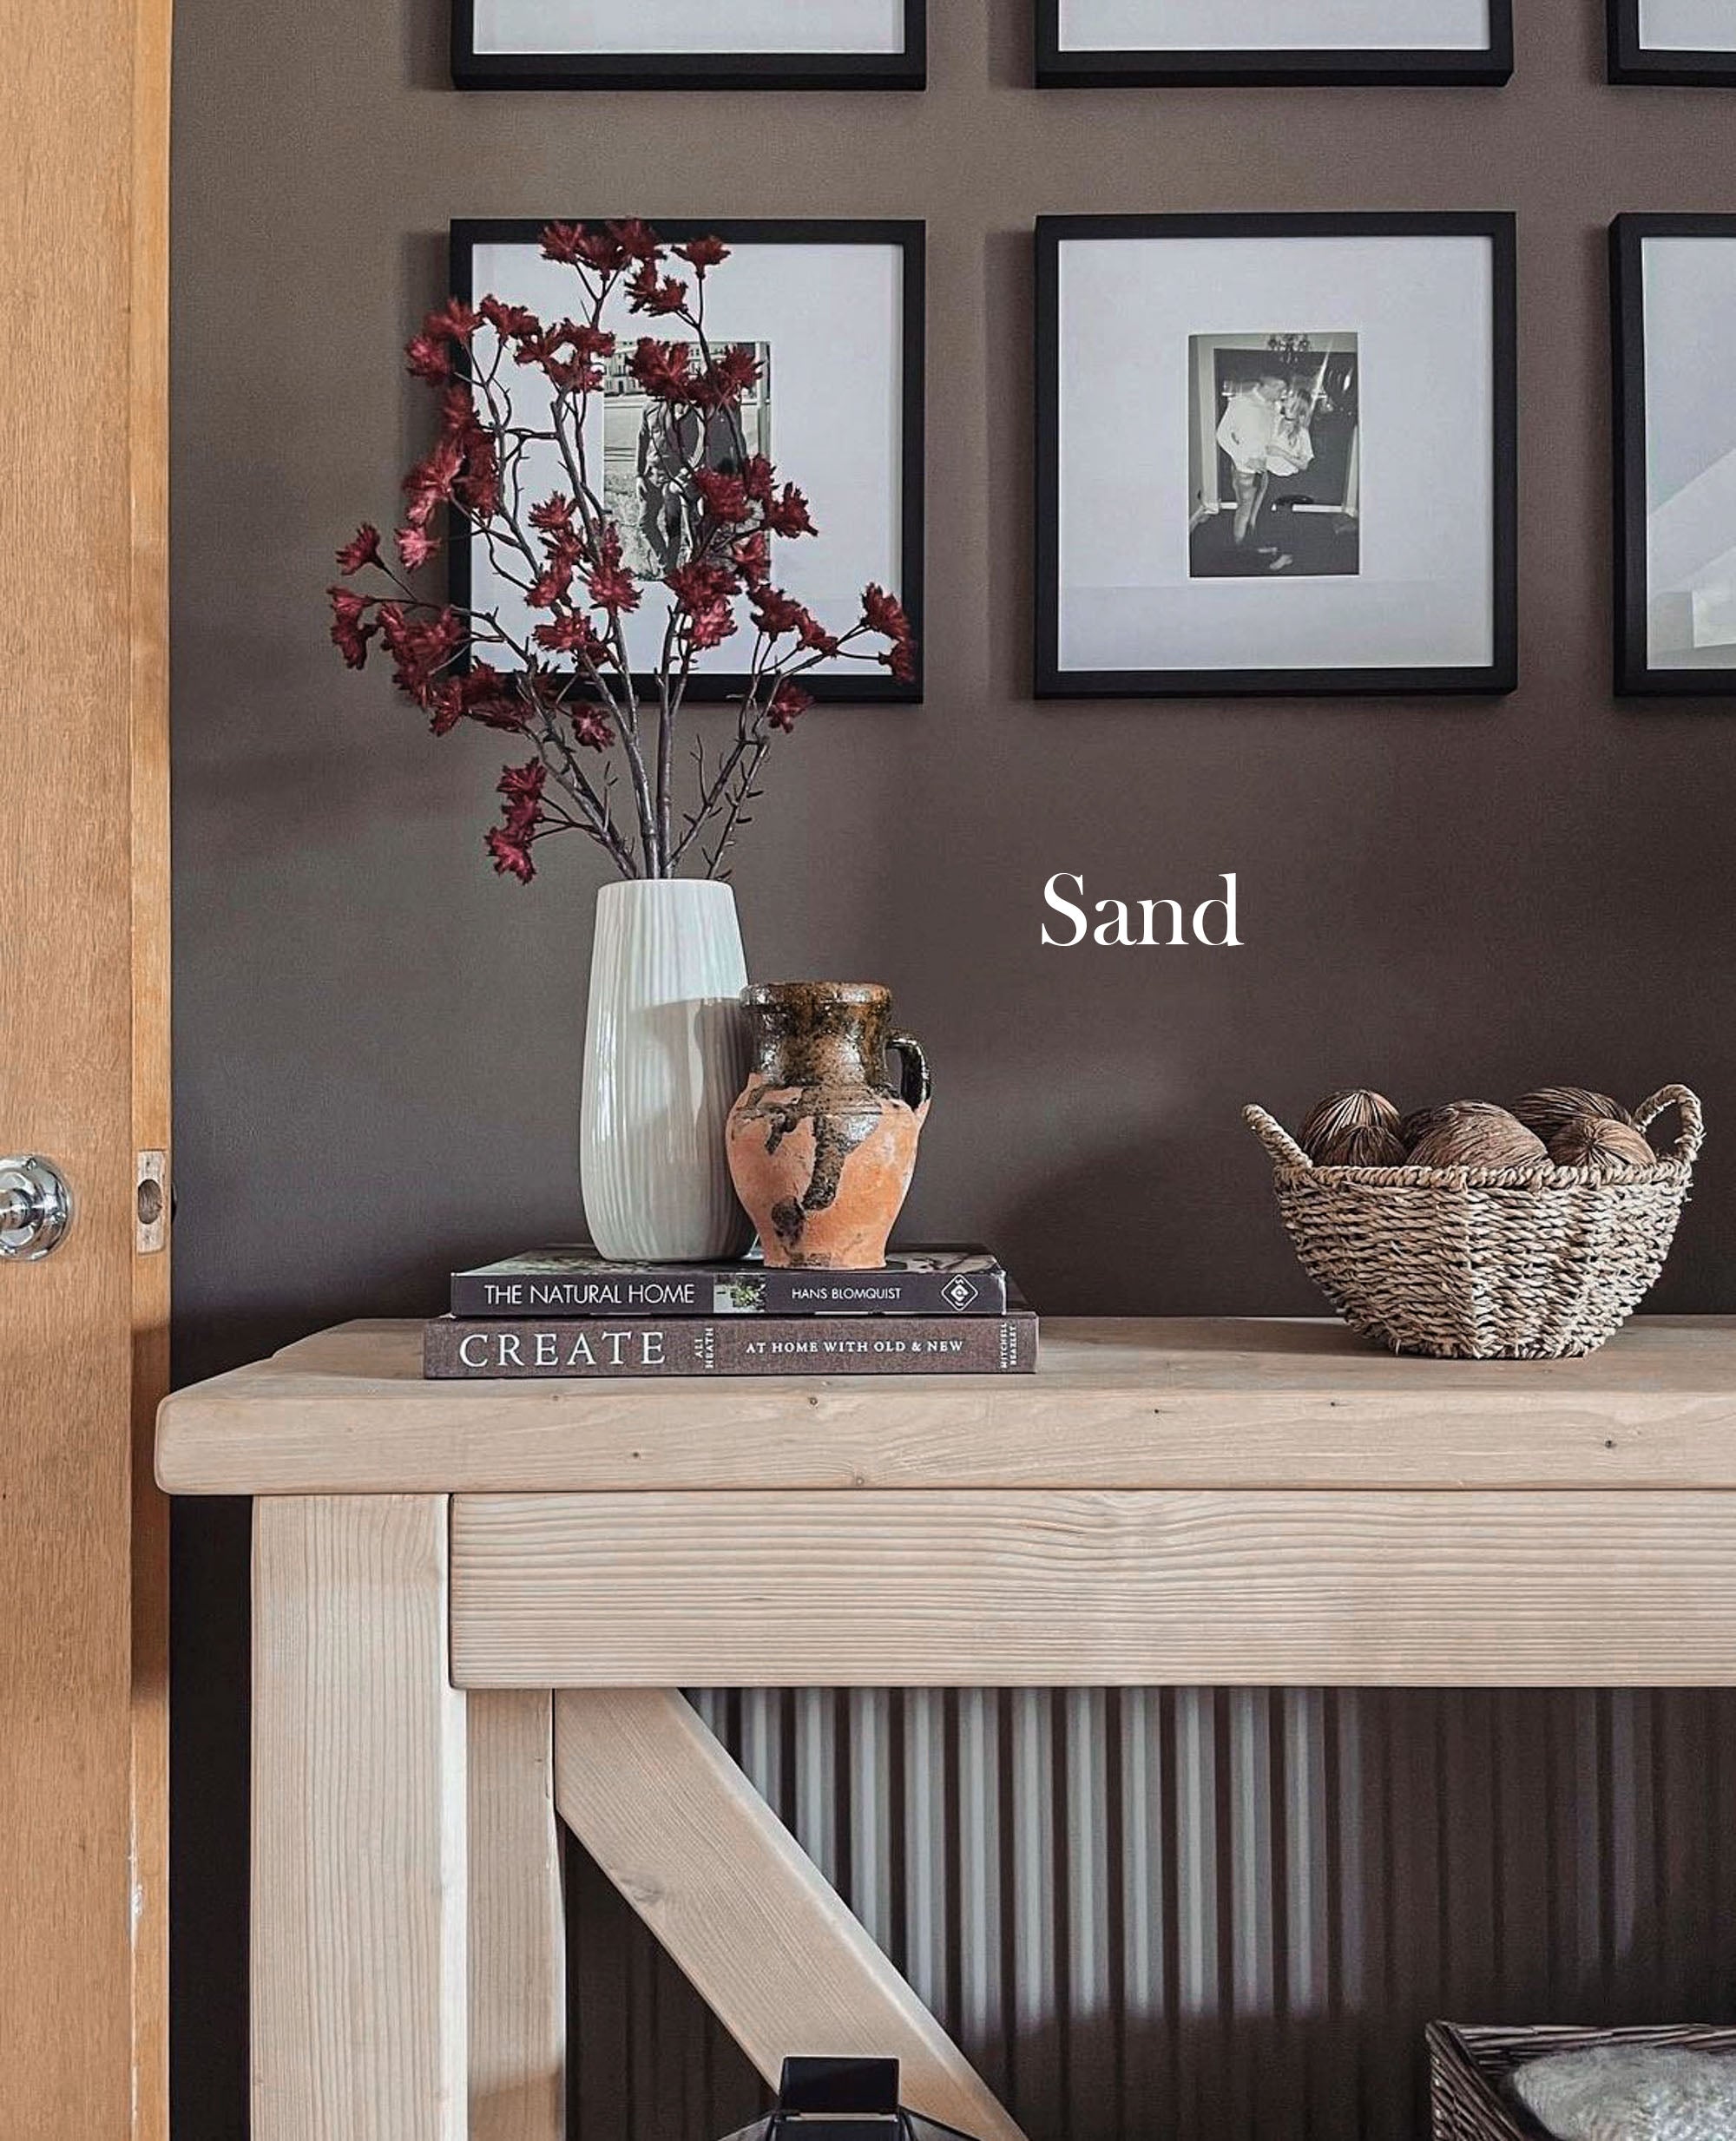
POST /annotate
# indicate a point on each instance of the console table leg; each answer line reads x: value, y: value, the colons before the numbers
x: 517, y: 1962
x: 358, y: 1825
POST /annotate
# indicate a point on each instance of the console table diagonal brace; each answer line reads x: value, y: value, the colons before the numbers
x: 759, y: 1932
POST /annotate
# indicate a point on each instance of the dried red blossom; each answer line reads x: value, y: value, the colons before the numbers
x: 752, y: 556
x: 361, y: 548
x: 591, y: 725
x: 789, y: 703
x: 735, y: 370
x: 572, y: 634
x: 788, y: 515
x: 612, y: 587
x: 776, y: 612
x: 523, y: 787
x: 554, y: 514
x: 662, y: 369
x: 550, y: 586
x: 429, y: 484
x: 757, y: 477
x: 701, y: 253
x: 351, y: 630
x: 581, y: 244
x: 511, y: 857
x: 415, y: 547
x: 428, y: 357
x: 637, y: 239
x: 509, y: 320
x: 883, y: 613
x: 901, y: 659
x: 648, y: 293
x: 702, y: 592
x: 814, y: 636
x: 725, y: 496
x: 702, y: 580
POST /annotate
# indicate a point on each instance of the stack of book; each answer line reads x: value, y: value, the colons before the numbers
x: 946, y: 1312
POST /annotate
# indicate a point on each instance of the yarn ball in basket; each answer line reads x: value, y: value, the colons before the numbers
x: 1598, y: 1141
x: 1354, y: 1128
x: 1551, y: 1109
x: 1476, y: 1133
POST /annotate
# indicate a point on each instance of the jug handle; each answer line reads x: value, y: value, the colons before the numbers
x: 914, y: 1085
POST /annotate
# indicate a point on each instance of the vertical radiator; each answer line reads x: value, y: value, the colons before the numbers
x: 1178, y: 1914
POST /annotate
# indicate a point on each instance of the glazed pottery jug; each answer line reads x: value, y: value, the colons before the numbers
x: 665, y: 1050
x: 822, y: 1144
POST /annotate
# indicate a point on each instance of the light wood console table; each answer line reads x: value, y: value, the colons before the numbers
x: 1209, y: 1502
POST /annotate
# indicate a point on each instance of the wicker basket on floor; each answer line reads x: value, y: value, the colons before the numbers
x: 1468, y: 2069
x: 1530, y: 1263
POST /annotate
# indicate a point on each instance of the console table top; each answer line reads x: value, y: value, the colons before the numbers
x: 1145, y: 1404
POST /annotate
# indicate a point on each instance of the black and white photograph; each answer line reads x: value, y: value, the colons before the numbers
x: 1276, y: 453
x: 689, y: 44
x: 1673, y: 43
x: 840, y: 414
x: 1675, y: 292
x: 1130, y: 43
x: 652, y: 451
x: 1273, y: 447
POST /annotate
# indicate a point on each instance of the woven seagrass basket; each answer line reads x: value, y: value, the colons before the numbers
x: 1469, y: 2067
x: 1530, y: 1263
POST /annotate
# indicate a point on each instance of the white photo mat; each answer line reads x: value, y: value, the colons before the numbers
x: 689, y: 26
x: 1688, y: 25
x: 836, y: 419
x: 1689, y: 297
x: 1276, y: 25
x: 1423, y: 309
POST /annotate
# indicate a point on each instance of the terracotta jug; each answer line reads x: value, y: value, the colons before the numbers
x: 821, y: 1144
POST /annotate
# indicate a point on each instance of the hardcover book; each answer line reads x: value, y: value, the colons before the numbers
x: 945, y: 1281
x: 457, y: 1347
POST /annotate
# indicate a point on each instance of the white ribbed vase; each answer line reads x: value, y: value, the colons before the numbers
x: 666, y: 1053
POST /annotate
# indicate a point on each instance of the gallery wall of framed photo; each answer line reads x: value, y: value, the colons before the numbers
x: 1234, y: 495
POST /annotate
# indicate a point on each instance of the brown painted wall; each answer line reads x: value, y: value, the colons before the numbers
x: 378, y: 1042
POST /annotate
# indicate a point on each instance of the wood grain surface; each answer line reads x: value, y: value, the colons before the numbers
x: 517, y: 1929
x: 1231, y: 1402
x: 1006, y: 1589
x: 359, y: 1996
x: 84, y: 1070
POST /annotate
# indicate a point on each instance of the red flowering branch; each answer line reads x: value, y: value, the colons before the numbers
x: 566, y: 684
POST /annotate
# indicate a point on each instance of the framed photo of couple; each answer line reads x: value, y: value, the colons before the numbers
x: 1679, y: 43
x: 689, y: 44
x: 1096, y: 44
x: 1275, y: 455
x: 842, y: 414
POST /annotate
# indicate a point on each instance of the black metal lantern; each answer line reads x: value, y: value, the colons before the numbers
x: 842, y: 2099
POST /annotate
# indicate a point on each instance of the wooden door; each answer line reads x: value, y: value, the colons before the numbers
x: 84, y: 1063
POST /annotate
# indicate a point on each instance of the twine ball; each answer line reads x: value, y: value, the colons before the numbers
x: 1476, y: 1133
x: 1551, y: 1109
x: 1354, y: 1128
x: 1599, y: 1141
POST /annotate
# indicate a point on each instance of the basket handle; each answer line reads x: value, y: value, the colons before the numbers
x: 1283, y: 1149
x: 1692, y: 1135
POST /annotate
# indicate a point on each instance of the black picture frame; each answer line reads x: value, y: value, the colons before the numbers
x: 1500, y: 675
x: 910, y: 237
x: 1635, y: 674
x: 1376, y: 68
x: 904, y: 69
x: 1636, y: 64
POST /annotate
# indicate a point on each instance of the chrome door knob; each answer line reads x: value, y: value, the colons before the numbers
x: 36, y: 1207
